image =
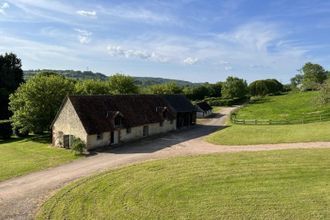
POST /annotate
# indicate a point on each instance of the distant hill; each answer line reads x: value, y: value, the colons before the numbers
x: 83, y: 75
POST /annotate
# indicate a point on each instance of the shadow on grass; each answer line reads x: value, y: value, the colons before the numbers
x: 40, y: 138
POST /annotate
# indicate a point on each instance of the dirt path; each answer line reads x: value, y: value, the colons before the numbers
x: 20, y: 197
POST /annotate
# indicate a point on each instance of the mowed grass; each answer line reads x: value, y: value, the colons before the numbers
x: 290, y: 184
x: 288, y: 106
x: 22, y: 156
x: 270, y: 134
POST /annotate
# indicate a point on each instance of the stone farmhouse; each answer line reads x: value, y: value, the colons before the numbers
x: 203, y: 109
x: 105, y: 120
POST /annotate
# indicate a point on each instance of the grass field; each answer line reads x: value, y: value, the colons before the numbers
x: 290, y: 184
x: 270, y: 134
x: 289, y: 106
x: 275, y: 107
x: 22, y: 156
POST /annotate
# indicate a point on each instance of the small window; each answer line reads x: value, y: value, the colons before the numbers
x: 128, y: 130
x: 99, y: 136
x: 117, y: 121
x: 171, y: 122
x: 161, y: 124
x: 145, y: 131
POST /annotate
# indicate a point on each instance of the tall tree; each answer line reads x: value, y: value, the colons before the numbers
x: 122, y: 84
x: 11, y: 76
x: 234, y: 87
x: 166, y: 88
x: 92, y: 87
x: 36, y: 102
x: 314, y: 75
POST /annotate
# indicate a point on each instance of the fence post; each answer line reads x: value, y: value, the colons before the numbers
x: 255, y: 121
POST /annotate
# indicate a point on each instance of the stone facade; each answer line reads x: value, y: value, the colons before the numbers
x: 67, y: 123
x: 125, y: 135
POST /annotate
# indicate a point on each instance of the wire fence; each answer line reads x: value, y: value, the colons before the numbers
x: 301, y: 119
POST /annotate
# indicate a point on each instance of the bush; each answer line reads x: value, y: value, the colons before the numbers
x: 20, y: 133
x: 225, y: 102
x: 78, y: 146
x: 6, y: 129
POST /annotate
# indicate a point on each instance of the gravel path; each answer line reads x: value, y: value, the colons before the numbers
x: 20, y: 197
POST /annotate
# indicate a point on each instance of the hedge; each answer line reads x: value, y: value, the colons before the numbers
x: 225, y: 102
x: 6, y: 129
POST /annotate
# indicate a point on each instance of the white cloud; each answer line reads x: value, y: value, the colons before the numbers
x: 228, y: 68
x: 136, y: 14
x: 84, y: 36
x: 118, y: 51
x: 87, y: 13
x: 190, y: 60
x: 3, y: 8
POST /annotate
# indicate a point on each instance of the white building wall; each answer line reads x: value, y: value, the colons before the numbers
x: 155, y: 128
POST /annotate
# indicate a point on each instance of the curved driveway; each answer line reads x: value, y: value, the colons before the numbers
x: 20, y: 197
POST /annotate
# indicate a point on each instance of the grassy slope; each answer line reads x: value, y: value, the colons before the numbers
x: 275, y: 107
x: 261, y: 185
x: 270, y: 134
x: 292, y: 105
x: 22, y: 156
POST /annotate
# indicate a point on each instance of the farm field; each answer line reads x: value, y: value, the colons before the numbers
x: 22, y: 156
x: 287, y: 184
x: 288, y: 106
x: 291, y: 105
x: 271, y: 134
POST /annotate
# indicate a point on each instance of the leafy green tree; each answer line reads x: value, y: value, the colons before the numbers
x: 36, y: 102
x: 265, y: 87
x: 166, y: 88
x: 122, y: 84
x: 92, y: 87
x: 234, y: 87
x: 323, y: 97
x: 296, y: 81
x: 314, y: 75
x: 11, y: 76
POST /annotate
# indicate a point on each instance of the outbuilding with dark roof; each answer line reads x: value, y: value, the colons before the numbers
x: 203, y: 109
x: 103, y: 120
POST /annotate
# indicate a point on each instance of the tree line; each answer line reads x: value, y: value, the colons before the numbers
x: 33, y: 104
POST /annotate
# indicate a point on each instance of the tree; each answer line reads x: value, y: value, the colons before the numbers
x: 323, y: 97
x: 166, y: 88
x: 265, y: 87
x: 314, y: 75
x: 35, y: 103
x: 11, y: 76
x: 92, y: 87
x: 234, y: 88
x: 296, y: 81
x: 122, y: 84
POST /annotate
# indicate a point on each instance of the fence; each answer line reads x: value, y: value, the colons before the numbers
x: 302, y: 119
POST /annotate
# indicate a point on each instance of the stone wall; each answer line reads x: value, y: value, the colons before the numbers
x: 67, y: 123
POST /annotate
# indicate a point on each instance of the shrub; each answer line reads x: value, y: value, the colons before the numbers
x: 78, y: 146
x: 225, y: 102
x: 20, y: 133
x: 6, y: 129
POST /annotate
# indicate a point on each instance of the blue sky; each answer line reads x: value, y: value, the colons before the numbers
x: 193, y: 40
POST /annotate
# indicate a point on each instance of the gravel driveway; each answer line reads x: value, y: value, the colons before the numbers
x: 20, y: 197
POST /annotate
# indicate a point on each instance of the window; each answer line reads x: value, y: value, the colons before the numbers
x: 145, y: 131
x: 161, y: 124
x: 128, y: 130
x: 117, y: 121
x: 99, y: 136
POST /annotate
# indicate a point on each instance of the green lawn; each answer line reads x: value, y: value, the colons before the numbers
x: 289, y: 106
x: 290, y: 184
x: 270, y: 134
x: 216, y: 109
x: 22, y: 156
